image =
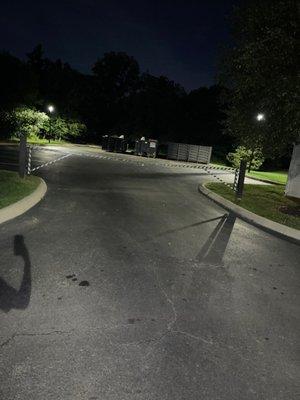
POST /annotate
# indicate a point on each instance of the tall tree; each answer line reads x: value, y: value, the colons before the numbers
x: 18, y: 83
x: 262, y: 73
x: 58, y: 82
x: 115, y: 79
x: 156, y: 109
x: 117, y: 75
x: 204, y: 117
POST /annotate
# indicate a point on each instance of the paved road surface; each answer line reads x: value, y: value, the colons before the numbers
x: 183, y: 302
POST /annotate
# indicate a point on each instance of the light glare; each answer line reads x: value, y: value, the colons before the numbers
x: 260, y: 117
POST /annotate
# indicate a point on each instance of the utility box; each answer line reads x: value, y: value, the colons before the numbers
x: 114, y: 143
x: 120, y: 145
x: 104, y: 142
x: 146, y: 148
x: 292, y: 188
x: 138, y: 147
x: 152, y: 148
x: 111, y: 143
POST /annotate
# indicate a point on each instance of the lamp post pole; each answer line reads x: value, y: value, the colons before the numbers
x: 51, y: 110
x: 260, y: 117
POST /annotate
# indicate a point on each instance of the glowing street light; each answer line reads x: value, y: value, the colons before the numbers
x: 51, y: 109
x: 260, y: 117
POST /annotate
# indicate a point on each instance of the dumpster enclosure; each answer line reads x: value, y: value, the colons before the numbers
x: 189, y: 152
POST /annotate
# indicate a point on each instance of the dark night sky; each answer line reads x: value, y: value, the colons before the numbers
x: 179, y: 39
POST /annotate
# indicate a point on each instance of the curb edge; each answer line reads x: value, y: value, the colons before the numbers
x: 23, y: 205
x: 279, y: 230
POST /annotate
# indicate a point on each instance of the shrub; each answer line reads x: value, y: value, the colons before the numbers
x: 253, y: 157
x: 61, y: 128
x: 26, y: 121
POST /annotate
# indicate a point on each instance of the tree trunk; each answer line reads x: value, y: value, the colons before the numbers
x: 250, y: 161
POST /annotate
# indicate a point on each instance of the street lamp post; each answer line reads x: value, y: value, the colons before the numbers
x: 51, y: 110
x: 260, y: 117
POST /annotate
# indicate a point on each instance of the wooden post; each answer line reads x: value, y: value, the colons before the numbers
x: 22, y: 156
x: 241, y: 180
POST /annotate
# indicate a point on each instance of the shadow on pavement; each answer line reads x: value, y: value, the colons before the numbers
x: 9, y: 296
x: 189, y: 226
x: 214, y: 248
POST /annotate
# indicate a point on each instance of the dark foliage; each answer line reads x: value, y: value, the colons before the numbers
x: 116, y: 98
x: 18, y: 83
x: 262, y: 72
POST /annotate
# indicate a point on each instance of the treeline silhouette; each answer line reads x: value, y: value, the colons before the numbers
x: 115, y: 98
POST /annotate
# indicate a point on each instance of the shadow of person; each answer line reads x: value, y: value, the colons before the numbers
x: 214, y: 248
x: 9, y: 296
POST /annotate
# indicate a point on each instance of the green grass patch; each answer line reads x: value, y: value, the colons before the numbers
x: 37, y: 141
x: 274, y: 176
x: 46, y: 142
x: 265, y: 200
x: 13, y: 188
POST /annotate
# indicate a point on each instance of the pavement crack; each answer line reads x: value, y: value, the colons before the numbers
x: 171, y: 302
x: 12, y: 337
x: 187, y: 334
x: 175, y: 315
x: 170, y: 326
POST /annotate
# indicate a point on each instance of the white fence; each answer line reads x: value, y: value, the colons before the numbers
x: 293, y: 184
x: 189, y: 152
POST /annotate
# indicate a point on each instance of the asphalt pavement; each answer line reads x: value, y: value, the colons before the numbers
x: 125, y: 283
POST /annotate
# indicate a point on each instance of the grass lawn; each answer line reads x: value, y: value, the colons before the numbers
x: 265, y: 200
x: 46, y: 142
x: 13, y: 188
x: 38, y: 141
x: 274, y: 176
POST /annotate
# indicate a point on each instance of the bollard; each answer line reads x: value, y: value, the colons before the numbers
x: 236, y: 178
x: 29, y: 155
x: 22, y: 156
x: 241, y: 180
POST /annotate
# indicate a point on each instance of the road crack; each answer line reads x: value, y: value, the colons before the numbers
x: 12, y: 337
x: 170, y: 326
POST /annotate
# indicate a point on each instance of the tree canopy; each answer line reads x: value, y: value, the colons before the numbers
x: 261, y: 71
x: 26, y: 121
x: 115, y: 98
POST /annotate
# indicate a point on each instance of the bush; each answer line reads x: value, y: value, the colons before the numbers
x: 35, y: 124
x: 253, y: 157
x: 76, y: 129
x: 60, y: 128
x: 26, y: 121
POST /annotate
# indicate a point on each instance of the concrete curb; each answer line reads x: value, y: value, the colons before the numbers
x: 265, y: 181
x: 282, y: 231
x: 23, y: 205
